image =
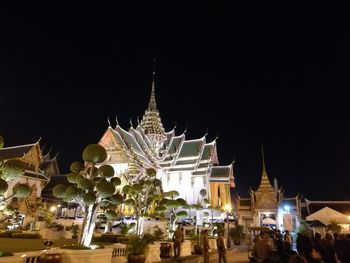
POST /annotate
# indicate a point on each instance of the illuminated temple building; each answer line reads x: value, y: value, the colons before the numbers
x: 184, y: 165
x: 39, y: 168
x: 267, y: 206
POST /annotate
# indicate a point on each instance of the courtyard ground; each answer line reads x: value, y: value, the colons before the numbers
x: 239, y: 257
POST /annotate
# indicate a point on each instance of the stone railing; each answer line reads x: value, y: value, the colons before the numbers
x: 119, y: 253
x: 86, y: 256
x: 116, y: 253
x: 23, y: 257
x: 67, y: 256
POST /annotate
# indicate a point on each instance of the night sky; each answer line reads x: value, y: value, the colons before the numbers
x: 253, y: 74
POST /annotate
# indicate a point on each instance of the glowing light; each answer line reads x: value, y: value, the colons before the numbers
x: 228, y: 207
x: 53, y: 208
x: 286, y: 207
x: 59, y: 205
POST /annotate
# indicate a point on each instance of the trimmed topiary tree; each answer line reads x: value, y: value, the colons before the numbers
x: 170, y: 204
x: 10, y: 171
x: 142, y: 194
x: 92, y: 188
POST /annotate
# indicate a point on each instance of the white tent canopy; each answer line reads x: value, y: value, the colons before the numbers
x: 268, y: 221
x: 326, y: 215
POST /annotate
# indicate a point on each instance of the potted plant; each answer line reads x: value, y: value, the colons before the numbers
x: 138, y: 247
x: 75, y: 230
x: 165, y: 246
x: 237, y: 234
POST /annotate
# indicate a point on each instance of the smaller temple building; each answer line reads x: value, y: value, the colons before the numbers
x: 267, y: 206
x: 39, y: 168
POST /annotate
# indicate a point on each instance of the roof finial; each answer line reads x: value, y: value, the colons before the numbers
x: 131, y: 125
x: 109, y: 123
x: 138, y: 120
x: 116, y: 120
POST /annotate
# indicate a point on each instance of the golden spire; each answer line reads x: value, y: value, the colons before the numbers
x: 151, y: 122
x: 263, y: 160
x: 265, y: 182
x: 152, y: 106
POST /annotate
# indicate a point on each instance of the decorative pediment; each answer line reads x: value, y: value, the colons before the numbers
x: 266, y: 200
x: 115, y: 149
x: 109, y: 142
x: 33, y: 156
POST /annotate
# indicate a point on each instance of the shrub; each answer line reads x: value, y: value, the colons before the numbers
x: 8, y: 234
x: 26, y: 235
x: 55, y: 226
x: 108, y: 238
x: 158, y: 233
x: 5, y: 254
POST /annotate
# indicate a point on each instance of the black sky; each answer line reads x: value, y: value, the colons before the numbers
x: 253, y: 73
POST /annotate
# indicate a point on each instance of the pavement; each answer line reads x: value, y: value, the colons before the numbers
x: 239, y: 257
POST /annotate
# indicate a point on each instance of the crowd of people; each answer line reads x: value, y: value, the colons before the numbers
x: 274, y: 247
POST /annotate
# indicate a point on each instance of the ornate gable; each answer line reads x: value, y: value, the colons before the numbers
x: 33, y: 156
x: 265, y: 200
x: 115, y: 150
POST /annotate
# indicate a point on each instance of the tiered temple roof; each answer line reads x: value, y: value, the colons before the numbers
x: 148, y: 145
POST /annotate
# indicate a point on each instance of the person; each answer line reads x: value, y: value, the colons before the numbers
x: 183, y: 234
x: 297, y: 259
x: 220, y: 243
x: 307, y: 249
x: 342, y: 250
x: 319, y: 246
x: 328, y: 243
x: 262, y: 248
x: 177, y: 238
x: 288, y: 240
x: 206, y: 246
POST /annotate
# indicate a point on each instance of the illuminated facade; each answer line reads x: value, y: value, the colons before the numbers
x: 39, y: 169
x: 186, y: 166
x: 268, y: 207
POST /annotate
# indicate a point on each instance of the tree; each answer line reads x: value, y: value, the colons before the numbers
x: 92, y: 188
x: 35, y: 210
x: 142, y: 192
x: 170, y: 204
x: 10, y: 171
x: 334, y: 227
x: 201, y: 204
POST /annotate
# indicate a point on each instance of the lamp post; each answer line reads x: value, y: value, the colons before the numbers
x: 228, y: 209
x: 53, y: 209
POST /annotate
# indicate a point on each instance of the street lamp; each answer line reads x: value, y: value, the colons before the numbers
x: 228, y: 210
x: 53, y: 209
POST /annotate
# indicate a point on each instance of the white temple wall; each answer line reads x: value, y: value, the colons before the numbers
x: 184, y: 184
x: 198, y: 185
x: 24, y: 180
x: 119, y: 168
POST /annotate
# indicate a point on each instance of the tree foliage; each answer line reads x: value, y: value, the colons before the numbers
x: 21, y: 190
x: 94, y: 153
x: 3, y: 186
x: 91, y: 187
x: 170, y: 204
x: 142, y: 192
x: 334, y: 226
x: 11, y: 170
